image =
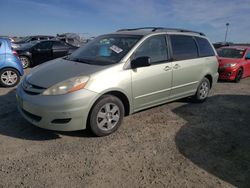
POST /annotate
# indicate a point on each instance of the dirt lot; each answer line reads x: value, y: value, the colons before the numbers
x: 180, y: 144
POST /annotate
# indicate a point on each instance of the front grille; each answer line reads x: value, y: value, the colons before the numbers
x: 32, y: 116
x: 32, y: 89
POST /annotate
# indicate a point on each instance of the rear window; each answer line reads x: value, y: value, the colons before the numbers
x: 183, y: 47
x: 205, y: 48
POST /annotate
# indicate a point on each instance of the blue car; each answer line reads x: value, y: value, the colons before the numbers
x: 10, y: 66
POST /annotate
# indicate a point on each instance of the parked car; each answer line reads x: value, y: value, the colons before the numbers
x: 37, y: 52
x: 10, y: 66
x: 115, y: 75
x: 234, y: 63
x: 30, y: 39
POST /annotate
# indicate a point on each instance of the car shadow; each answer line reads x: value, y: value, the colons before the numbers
x: 14, y: 125
x: 216, y: 137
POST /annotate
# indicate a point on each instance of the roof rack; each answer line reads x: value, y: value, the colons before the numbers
x: 153, y: 29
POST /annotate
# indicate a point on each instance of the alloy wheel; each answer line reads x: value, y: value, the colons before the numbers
x: 108, y: 116
x: 9, y: 77
x: 204, y: 90
x: 25, y: 62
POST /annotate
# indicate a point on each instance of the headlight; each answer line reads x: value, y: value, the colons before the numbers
x: 68, y: 86
x: 230, y: 65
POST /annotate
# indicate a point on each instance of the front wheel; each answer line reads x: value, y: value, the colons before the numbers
x: 238, y: 75
x: 9, y: 77
x: 106, y: 115
x: 202, y: 91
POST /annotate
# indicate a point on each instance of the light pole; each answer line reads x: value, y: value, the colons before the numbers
x: 227, y: 25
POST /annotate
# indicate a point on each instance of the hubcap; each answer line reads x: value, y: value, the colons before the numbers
x: 9, y: 77
x: 204, y: 89
x: 25, y: 62
x: 108, y: 116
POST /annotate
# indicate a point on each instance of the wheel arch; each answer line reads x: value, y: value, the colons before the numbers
x: 210, y: 78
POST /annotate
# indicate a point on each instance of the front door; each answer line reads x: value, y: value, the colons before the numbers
x: 42, y: 52
x: 152, y: 85
x: 60, y: 49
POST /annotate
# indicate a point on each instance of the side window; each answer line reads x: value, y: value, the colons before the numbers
x: 59, y: 44
x: 183, y: 47
x: 33, y: 39
x: 44, y: 45
x: 42, y: 38
x: 205, y: 48
x: 155, y: 47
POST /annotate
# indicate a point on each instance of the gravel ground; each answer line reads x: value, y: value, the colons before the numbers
x: 180, y: 144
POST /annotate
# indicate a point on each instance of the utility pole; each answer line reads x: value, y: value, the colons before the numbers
x: 227, y: 25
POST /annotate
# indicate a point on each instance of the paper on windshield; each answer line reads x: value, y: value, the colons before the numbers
x: 116, y: 49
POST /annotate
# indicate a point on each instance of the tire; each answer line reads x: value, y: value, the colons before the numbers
x: 202, y: 91
x: 9, y: 77
x: 25, y: 62
x: 239, y: 75
x: 106, y: 115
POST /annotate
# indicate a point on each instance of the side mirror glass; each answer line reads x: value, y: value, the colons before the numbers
x: 140, y: 62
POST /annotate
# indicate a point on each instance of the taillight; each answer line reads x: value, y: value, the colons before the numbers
x: 15, y: 53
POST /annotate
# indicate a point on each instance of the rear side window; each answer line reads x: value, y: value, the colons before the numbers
x: 44, y: 45
x: 205, y: 48
x: 34, y: 39
x: 59, y: 44
x: 183, y: 47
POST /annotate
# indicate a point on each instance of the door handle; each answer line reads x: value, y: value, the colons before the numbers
x: 167, y: 68
x: 176, y: 66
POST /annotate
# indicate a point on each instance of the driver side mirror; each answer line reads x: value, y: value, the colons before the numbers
x: 140, y: 62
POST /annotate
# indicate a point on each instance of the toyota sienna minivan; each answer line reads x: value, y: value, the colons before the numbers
x: 116, y: 75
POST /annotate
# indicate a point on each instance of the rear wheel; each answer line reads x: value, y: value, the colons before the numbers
x: 25, y: 62
x: 202, y: 90
x: 239, y: 75
x: 9, y: 77
x: 106, y: 115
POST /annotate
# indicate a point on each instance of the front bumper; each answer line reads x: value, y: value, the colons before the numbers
x: 227, y: 73
x: 67, y: 112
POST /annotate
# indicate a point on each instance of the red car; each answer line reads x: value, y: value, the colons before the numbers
x: 234, y: 62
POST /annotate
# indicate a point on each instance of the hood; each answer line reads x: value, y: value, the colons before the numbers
x: 58, y: 70
x: 223, y: 61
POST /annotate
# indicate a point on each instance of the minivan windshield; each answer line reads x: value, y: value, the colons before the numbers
x: 105, y: 49
x: 231, y: 52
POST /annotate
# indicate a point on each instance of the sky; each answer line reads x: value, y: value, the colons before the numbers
x: 95, y: 17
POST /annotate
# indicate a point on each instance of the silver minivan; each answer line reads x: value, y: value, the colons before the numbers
x: 116, y: 75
